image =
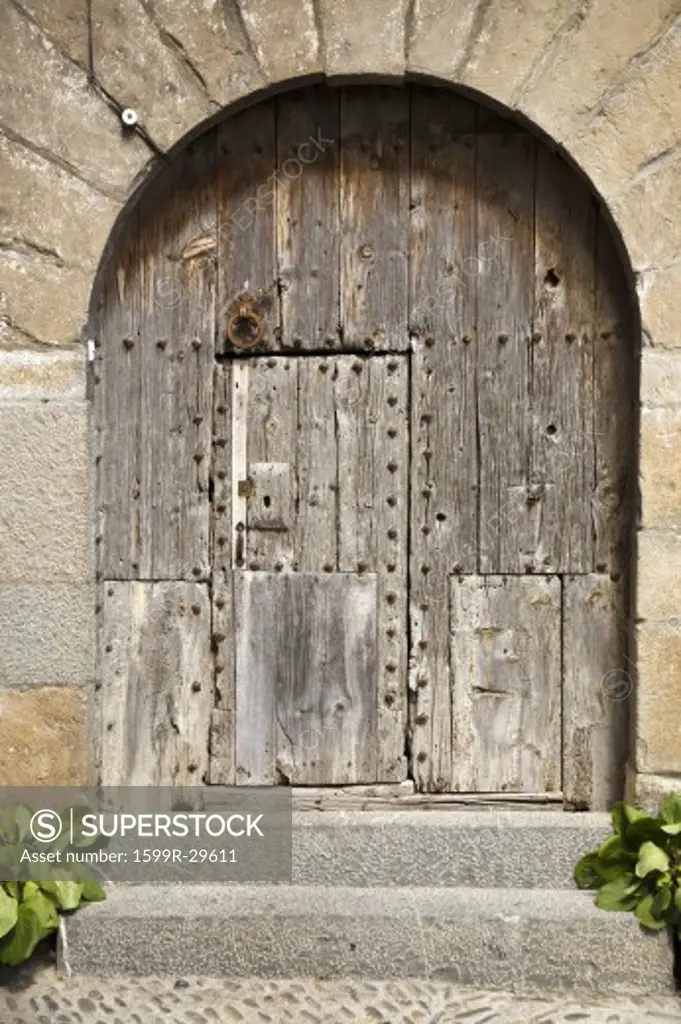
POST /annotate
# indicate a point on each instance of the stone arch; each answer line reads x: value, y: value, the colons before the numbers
x: 600, y: 80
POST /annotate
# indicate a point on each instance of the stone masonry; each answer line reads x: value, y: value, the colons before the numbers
x: 602, y: 78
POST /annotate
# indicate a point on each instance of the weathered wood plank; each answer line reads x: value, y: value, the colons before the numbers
x: 272, y: 434
x: 306, y: 671
x: 597, y: 691
x: 227, y: 397
x: 308, y: 237
x: 157, y: 683
x: 506, y: 678
x: 155, y: 455
x: 395, y: 797
x: 443, y: 251
x: 248, y: 300
x: 316, y: 455
x: 561, y: 372
x: 374, y: 211
x: 615, y: 397
x: 372, y: 432
x: 505, y: 205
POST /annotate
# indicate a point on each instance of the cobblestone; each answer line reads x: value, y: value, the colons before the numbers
x: 41, y: 996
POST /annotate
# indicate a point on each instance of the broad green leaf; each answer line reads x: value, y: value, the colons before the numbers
x: 651, y: 858
x: 672, y: 830
x: 644, y: 913
x: 662, y: 900
x: 644, y: 830
x: 633, y: 814
x: 670, y: 808
x: 617, y: 895
x: 677, y: 899
x: 36, y: 918
x: 66, y: 895
x: 93, y: 892
x: 618, y: 867
x: 9, y: 909
x: 612, y: 847
x: 588, y: 873
x: 11, y: 888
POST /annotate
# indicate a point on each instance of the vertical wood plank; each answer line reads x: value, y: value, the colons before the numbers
x: 157, y: 683
x: 308, y: 238
x: 371, y: 402
x: 272, y: 436
x: 561, y: 371
x: 505, y: 204
x: 443, y: 252
x: 506, y: 669
x: 118, y: 409
x: 597, y: 691
x: 226, y: 515
x: 316, y: 454
x: 306, y: 678
x: 615, y: 396
x: 247, y: 278
x: 374, y: 210
x: 164, y: 364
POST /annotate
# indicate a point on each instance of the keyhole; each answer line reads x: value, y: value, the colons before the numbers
x: 244, y: 331
x: 266, y: 501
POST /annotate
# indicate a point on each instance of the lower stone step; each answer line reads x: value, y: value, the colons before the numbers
x: 525, y: 940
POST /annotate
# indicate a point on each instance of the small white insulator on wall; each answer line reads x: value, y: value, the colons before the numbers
x: 129, y: 117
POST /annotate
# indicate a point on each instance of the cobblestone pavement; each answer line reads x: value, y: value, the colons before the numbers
x: 40, y: 996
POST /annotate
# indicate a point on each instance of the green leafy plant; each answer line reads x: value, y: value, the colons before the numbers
x: 638, y: 868
x: 30, y: 910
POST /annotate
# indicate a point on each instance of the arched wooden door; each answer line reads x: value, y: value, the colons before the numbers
x: 364, y: 409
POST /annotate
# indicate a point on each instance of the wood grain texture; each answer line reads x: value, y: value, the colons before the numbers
x: 157, y: 365
x: 306, y: 669
x: 444, y: 458
x: 505, y: 217
x: 157, y: 683
x: 616, y: 387
x: 308, y: 237
x: 372, y: 430
x: 247, y: 181
x: 597, y: 691
x: 561, y: 371
x: 374, y: 210
x: 506, y: 680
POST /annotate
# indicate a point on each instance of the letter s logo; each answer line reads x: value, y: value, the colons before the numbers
x: 46, y: 826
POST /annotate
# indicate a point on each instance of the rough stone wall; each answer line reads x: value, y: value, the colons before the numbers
x: 602, y: 77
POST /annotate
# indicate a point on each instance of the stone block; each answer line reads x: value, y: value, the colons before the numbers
x: 658, y: 705
x: 44, y: 300
x: 439, y: 35
x: 660, y: 298
x: 521, y: 940
x: 661, y: 467
x: 47, y: 634
x: 646, y: 215
x: 648, y: 791
x: 522, y: 32
x: 145, y: 69
x: 215, y: 43
x: 39, y: 376
x: 284, y: 36
x: 59, y: 112
x: 44, y: 517
x: 590, y: 50
x: 659, y: 576
x: 72, y: 231
x: 66, y: 24
x: 44, y: 737
x: 660, y: 378
x: 361, y: 38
